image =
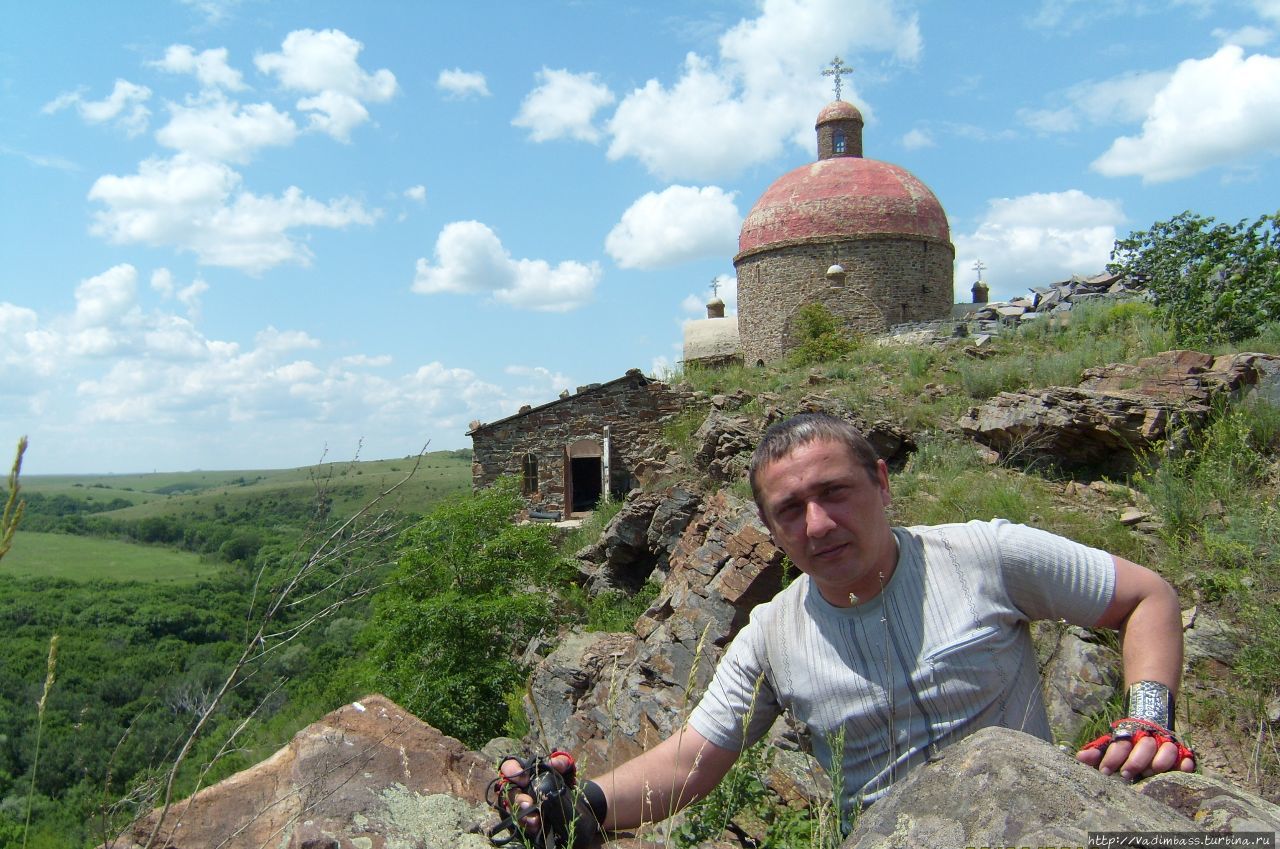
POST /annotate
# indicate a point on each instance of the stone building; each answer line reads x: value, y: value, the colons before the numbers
x: 864, y: 238
x: 569, y: 452
x: 712, y: 341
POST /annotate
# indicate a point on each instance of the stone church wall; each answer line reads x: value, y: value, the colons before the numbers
x: 888, y: 280
x: 633, y: 408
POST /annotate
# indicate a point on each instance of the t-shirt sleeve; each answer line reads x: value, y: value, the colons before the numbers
x: 740, y: 704
x: 1051, y: 577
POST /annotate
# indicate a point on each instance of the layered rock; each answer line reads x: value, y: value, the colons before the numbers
x: 611, y: 696
x: 1117, y: 411
x: 369, y: 774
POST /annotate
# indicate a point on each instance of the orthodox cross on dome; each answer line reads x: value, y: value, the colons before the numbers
x: 838, y: 69
x: 978, y: 266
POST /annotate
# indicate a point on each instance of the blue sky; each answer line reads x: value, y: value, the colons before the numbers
x: 245, y: 234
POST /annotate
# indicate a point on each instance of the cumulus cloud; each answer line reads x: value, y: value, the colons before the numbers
x: 124, y: 107
x: 470, y: 259
x: 760, y: 93
x: 214, y: 127
x: 209, y: 66
x: 416, y: 193
x: 125, y: 372
x: 325, y: 65
x: 459, y: 84
x: 563, y: 105
x: 1037, y: 239
x: 1120, y: 100
x: 1213, y: 112
x: 678, y: 224
x: 199, y: 206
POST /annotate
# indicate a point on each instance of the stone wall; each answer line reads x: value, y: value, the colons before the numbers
x: 633, y: 407
x: 888, y: 280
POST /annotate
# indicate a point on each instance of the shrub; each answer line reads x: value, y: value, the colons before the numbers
x: 469, y: 592
x: 820, y: 337
x: 1213, y: 282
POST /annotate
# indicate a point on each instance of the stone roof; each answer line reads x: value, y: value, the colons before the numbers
x: 843, y: 197
x: 710, y: 337
x: 633, y: 374
x: 839, y: 110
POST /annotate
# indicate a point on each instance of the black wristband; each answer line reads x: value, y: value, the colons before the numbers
x: 593, y: 795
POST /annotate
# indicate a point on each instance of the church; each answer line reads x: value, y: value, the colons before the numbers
x: 864, y: 238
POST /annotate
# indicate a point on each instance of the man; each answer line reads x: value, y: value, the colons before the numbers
x: 895, y: 642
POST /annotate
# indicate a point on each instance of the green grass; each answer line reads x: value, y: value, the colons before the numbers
x: 89, y: 559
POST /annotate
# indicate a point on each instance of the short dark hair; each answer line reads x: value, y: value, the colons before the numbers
x: 789, y: 434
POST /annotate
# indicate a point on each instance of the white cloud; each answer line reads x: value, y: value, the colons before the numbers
x: 209, y: 66
x: 1038, y: 239
x: 123, y: 107
x: 460, y: 84
x: 563, y: 105
x: 1248, y: 36
x: 416, y: 193
x: 678, y: 224
x: 217, y: 128
x: 324, y: 64
x: 214, y: 11
x: 916, y: 139
x: 106, y: 298
x: 125, y: 375
x: 470, y: 259
x: 199, y: 206
x: 1213, y: 112
x: 1120, y: 100
x: 763, y: 91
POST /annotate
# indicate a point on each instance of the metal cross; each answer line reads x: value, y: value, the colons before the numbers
x: 715, y: 287
x: 978, y: 266
x: 838, y: 69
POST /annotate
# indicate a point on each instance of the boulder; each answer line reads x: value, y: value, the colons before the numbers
x: 999, y: 787
x: 1212, y: 803
x: 369, y: 774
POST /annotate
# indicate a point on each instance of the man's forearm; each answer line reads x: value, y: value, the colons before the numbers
x: 662, y: 781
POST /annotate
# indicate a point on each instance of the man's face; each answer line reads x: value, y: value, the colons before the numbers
x: 828, y: 514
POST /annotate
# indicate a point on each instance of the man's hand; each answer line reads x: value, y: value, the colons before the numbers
x: 1145, y: 753
x: 522, y: 804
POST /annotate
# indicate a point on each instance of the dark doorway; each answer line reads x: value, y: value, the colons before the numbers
x: 586, y: 483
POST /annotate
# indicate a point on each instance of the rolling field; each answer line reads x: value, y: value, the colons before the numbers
x: 85, y: 558
x: 197, y: 494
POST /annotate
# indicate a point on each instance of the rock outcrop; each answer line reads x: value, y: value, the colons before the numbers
x: 1004, y: 788
x: 1117, y: 411
x: 610, y: 696
x: 369, y: 774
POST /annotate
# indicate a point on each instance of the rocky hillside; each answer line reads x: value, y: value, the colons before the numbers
x: 1092, y: 457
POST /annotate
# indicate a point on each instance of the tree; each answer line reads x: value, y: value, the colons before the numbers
x: 471, y: 590
x: 1212, y: 282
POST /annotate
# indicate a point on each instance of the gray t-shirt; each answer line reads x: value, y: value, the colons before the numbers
x: 943, y: 651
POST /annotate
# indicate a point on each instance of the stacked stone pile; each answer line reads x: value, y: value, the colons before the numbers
x: 1038, y: 302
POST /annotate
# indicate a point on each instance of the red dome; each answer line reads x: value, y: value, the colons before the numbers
x: 843, y: 197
